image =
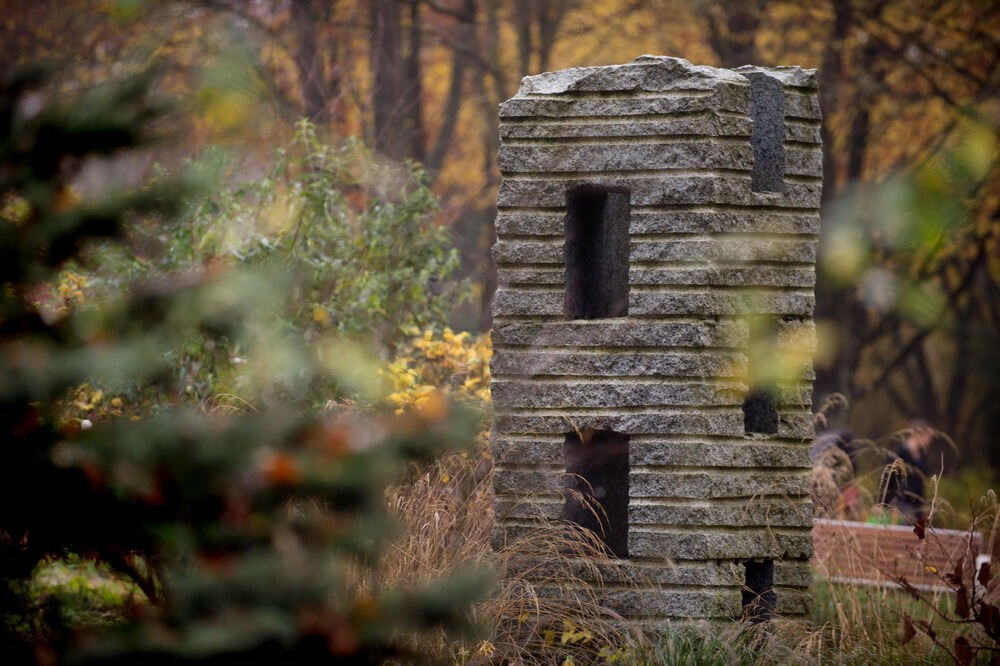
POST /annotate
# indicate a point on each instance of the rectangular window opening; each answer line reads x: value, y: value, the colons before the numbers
x: 767, y: 135
x: 760, y: 415
x: 758, y: 594
x: 597, y: 252
x: 597, y: 479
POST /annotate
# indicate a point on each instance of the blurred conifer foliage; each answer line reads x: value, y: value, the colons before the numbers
x: 252, y: 533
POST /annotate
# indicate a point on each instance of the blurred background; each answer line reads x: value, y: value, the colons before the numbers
x: 908, y: 310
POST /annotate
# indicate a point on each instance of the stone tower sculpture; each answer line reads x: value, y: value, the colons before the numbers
x: 656, y: 242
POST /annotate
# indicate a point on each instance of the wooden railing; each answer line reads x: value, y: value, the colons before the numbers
x: 870, y: 554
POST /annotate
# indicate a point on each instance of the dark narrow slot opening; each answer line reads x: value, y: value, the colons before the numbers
x: 760, y: 415
x: 597, y: 478
x: 760, y: 410
x: 758, y: 593
x: 767, y: 136
x: 597, y: 252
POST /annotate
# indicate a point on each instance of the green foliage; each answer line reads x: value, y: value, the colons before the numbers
x: 251, y: 532
x: 358, y: 236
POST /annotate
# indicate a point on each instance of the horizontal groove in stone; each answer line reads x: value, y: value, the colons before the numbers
x: 703, y: 124
x: 572, y: 109
x: 740, y: 483
x: 669, y: 274
x: 551, y: 251
x: 705, y: 485
x: 752, y: 512
x: 511, y: 301
x: 632, y: 157
x: 571, y: 393
x: 621, y: 363
x: 734, y: 453
x: 793, y: 573
x: 726, y: 423
x: 654, y: 221
x: 617, y: 94
x: 689, y: 575
x: 622, y: 333
x: 799, y: 105
x: 703, y: 189
x: 763, y: 542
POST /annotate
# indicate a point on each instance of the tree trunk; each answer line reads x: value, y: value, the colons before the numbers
x: 386, y: 71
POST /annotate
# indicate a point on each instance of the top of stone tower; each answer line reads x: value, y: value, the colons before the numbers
x: 650, y: 73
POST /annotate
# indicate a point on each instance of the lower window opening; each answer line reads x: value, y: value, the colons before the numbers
x: 597, y: 481
x: 758, y: 593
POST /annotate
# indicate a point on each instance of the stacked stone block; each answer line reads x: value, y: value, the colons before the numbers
x: 718, y: 174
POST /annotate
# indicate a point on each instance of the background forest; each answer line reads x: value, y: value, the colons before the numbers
x: 259, y: 223
x: 907, y: 301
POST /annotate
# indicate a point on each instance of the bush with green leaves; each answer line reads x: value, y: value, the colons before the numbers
x: 250, y: 531
x: 359, y: 235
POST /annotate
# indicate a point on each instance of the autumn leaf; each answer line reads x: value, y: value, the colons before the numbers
x: 962, y: 603
x: 964, y: 652
x: 906, y: 630
x: 920, y: 528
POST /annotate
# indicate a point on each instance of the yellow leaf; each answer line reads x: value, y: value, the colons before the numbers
x: 320, y: 316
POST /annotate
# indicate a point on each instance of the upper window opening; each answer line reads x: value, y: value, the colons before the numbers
x: 597, y: 252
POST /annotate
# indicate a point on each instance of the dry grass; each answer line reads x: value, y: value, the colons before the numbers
x: 446, y: 513
x: 543, y: 609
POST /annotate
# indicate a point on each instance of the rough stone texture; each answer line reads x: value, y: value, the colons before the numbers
x: 722, y: 171
x: 687, y: 452
x: 692, y: 220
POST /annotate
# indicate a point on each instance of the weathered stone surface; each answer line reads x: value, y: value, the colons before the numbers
x: 710, y: 220
x: 637, y: 574
x: 722, y: 173
x: 760, y: 276
x: 755, y: 511
x: 624, y: 364
x: 790, y: 76
x: 619, y: 393
x: 791, y: 602
x: 803, y: 132
x: 680, y: 187
x: 621, y: 333
x: 798, y: 105
x: 705, y: 544
x: 647, y: 73
x: 784, y: 512
x: 664, y: 452
x: 733, y: 453
x: 531, y: 481
x: 707, y: 124
x: 574, y: 157
x: 729, y: 423
x: 567, y: 393
x: 726, y: 250
x: 804, y: 161
x: 707, y: 251
x: 712, y: 485
x: 727, y: 276
x: 793, y: 573
x: 508, y: 301
x: 721, y: 602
